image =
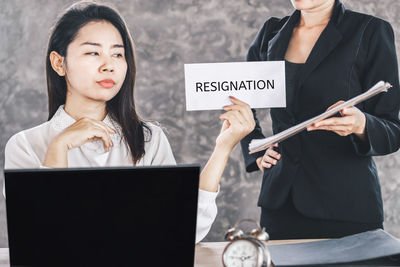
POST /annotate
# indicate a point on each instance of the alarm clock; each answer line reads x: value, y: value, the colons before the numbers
x: 246, y: 249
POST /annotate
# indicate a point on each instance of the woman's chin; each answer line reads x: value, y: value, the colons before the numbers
x: 102, y: 97
x: 301, y: 6
x: 106, y: 95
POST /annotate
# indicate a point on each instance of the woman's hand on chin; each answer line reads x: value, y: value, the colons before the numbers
x: 82, y: 131
x: 238, y: 122
x: 86, y: 130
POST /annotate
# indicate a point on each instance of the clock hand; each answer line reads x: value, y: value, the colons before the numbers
x: 243, y: 258
x: 247, y: 257
x: 237, y: 257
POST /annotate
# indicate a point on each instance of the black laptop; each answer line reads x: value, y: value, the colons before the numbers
x: 136, y: 216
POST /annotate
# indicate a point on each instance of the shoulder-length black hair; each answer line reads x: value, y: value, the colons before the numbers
x: 122, y: 107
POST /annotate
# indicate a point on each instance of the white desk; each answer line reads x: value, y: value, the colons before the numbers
x: 209, y: 254
x: 4, y: 261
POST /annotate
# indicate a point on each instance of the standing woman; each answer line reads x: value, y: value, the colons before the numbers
x: 90, y: 69
x: 323, y: 182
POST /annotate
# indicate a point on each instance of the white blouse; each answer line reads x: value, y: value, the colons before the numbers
x: 28, y: 148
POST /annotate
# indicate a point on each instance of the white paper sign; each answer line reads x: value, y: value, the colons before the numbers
x: 259, y: 84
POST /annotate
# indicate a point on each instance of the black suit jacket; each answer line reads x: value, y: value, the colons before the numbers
x: 330, y: 176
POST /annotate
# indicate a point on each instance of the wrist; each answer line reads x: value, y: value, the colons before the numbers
x: 59, y: 144
x: 362, y: 136
x: 361, y: 129
x: 361, y: 132
x: 222, y: 148
x: 57, y: 155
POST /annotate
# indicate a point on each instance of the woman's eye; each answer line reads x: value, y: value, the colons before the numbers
x: 92, y: 53
x: 118, y: 55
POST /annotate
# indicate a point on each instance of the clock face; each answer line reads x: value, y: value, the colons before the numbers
x: 241, y: 253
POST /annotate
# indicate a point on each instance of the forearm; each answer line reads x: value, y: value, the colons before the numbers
x: 56, y: 156
x: 212, y: 172
x: 250, y: 159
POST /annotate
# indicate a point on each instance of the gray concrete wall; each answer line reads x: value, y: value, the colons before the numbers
x: 167, y: 35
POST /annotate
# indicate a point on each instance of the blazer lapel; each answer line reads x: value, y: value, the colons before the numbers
x: 326, y: 42
x: 278, y: 45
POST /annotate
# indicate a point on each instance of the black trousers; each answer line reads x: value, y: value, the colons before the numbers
x: 287, y: 223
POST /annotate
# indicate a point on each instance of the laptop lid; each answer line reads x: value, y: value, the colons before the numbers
x: 134, y: 216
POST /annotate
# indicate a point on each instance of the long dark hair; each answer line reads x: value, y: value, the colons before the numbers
x: 122, y: 107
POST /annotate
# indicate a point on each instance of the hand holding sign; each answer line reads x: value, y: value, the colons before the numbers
x: 238, y: 122
x: 259, y: 84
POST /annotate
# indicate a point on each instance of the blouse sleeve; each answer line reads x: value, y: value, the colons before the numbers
x: 381, y: 112
x: 19, y: 154
x: 206, y: 213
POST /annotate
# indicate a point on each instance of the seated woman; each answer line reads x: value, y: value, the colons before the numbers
x: 90, y: 69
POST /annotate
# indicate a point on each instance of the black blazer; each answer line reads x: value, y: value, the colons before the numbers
x: 330, y: 176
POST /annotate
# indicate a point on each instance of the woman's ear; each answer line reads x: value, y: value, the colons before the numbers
x: 57, y: 63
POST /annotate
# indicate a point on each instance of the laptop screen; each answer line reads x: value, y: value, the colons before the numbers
x: 138, y: 216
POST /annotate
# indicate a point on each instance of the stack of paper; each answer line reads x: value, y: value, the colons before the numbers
x: 257, y: 145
